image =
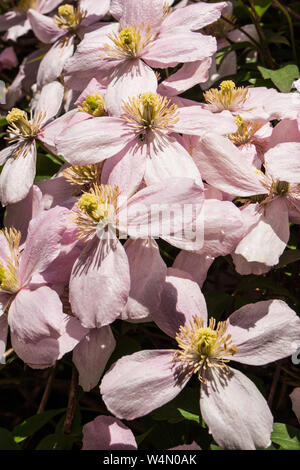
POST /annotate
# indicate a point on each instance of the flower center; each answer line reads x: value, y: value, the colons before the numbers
x: 150, y: 111
x: 25, y: 5
x: 20, y: 127
x: 129, y: 42
x: 203, y: 347
x: 95, y: 208
x: 9, y: 281
x: 69, y: 17
x: 94, y: 105
x: 227, y: 97
x: 245, y: 132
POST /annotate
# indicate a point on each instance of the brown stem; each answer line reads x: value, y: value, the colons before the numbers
x: 274, y: 384
x: 265, y: 49
x: 47, y: 391
x: 72, y: 402
x: 8, y: 353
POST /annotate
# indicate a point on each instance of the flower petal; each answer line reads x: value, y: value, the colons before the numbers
x: 91, y: 355
x: 140, y: 383
x: 107, y: 433
x: 235, y: 411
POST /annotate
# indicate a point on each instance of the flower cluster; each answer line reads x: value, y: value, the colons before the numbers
x: 141, y: 164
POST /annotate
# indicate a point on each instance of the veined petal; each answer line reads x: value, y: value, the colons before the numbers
x: 100, y: 283
x: 140, y: 383
x: 283, y: 162
x: 54, y: 61
x: 264, y: 332
x: 181, y: 299
x: 147, y: 276
x: 235, y: 411
x: 194, y: 120
x: 195, y: 265
x: 18, y: 174
x: 107, y: 433
x: 193, y: 17
x: 44, y: 27
x: 91, y: 355
x: 94, y: 140
x: 49, y: 101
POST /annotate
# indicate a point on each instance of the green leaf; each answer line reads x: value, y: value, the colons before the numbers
x: 189, y: 416
x: 289, y: 256
x: 286, y: 436
x: 7, y: 440
x: 139, y: 439
x: 3, y: 121
x: 282, y: 78
x: 261, y: 6
x: 33, y: 424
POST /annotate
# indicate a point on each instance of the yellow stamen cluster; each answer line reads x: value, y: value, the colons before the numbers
x: 203, y: 347
x: 150, y: 111
x: 94, y: 105
x: 245, y: 132
x: 69, y: 17
x: 99, y: 205
x: 9, y: 281
x: 128, y: 43
x: 25, y: 5
x: 20, y: 128
x: 227, y: 97
x: 79, y: 175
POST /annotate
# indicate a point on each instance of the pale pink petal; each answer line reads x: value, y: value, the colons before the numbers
x: 94, y: 140
x: 10, y: 19
x: 194, y: 120
x: 194, y: 16
x: 107, y: 433
x: 43, y: 242
x: 95, y: 9
x: 28, y: 318
x: 100, y: 283
x: 221, y: 234
x: 166, y: 158
x: 195, y: 265
x: 48, y: 5
x: 264, y: 332
x: 14, y: 32
x: 189, y: 75
x: 5, y: 298
x: 147, y: 276
x: 283, y: 162
x: 267, y: 240
x: 140, y: 383
x: 49, y: 102
x: 163, y: 209
x: 181, y: 299
x: 126, y: 169
x: 223, y: 166
x: 245, y: 267
x: 56, y: 192
x: 285, y: 131
x: 18, y: 174
x: 8, y: 58
x: 295, y: 397
x: 46, y: 352
x: 54, y: 61
x: 7, y: 152
x: 94, y: 86
x: 18, y: 215
x: 44, y: 27
x: 169, y: 50
x: 134, y: 12
x: 129, y: 79
x: 236, y: 413
x: 91, y: 355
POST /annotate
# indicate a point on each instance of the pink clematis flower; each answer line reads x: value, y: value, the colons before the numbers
x: 23, y: 278
x: 19, y: 158
x: 103, y: 266
x: 147, y: 33
x: 274, y: 193
x: 16, y: 23
x: 143, y: 140
x: 62, y: 29
x: 236, y: 413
